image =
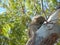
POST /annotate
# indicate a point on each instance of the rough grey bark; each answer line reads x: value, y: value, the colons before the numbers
x: 49, y: 32
x: 48, y: 28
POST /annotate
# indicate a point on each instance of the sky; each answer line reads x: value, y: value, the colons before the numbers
x: 58, y: 0
x: 2, y: 10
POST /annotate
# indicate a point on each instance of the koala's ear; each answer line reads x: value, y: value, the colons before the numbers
x: 35, y: 17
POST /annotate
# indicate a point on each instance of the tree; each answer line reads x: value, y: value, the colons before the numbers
x: 50, y: 28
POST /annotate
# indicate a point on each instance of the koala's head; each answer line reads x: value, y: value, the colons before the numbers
x: 38, y: 19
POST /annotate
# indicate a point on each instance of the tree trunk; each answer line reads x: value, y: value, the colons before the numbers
x: 48, y: 28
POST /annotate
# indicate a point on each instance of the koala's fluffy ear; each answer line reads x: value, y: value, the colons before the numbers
x: 35, y: 17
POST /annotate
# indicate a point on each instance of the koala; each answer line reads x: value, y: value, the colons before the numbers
x: 35, y: 24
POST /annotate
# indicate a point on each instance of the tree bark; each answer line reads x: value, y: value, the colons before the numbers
x: 48, y: 28
x: 49, y: 32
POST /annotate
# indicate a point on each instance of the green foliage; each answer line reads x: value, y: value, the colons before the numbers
x: 13, y: 29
